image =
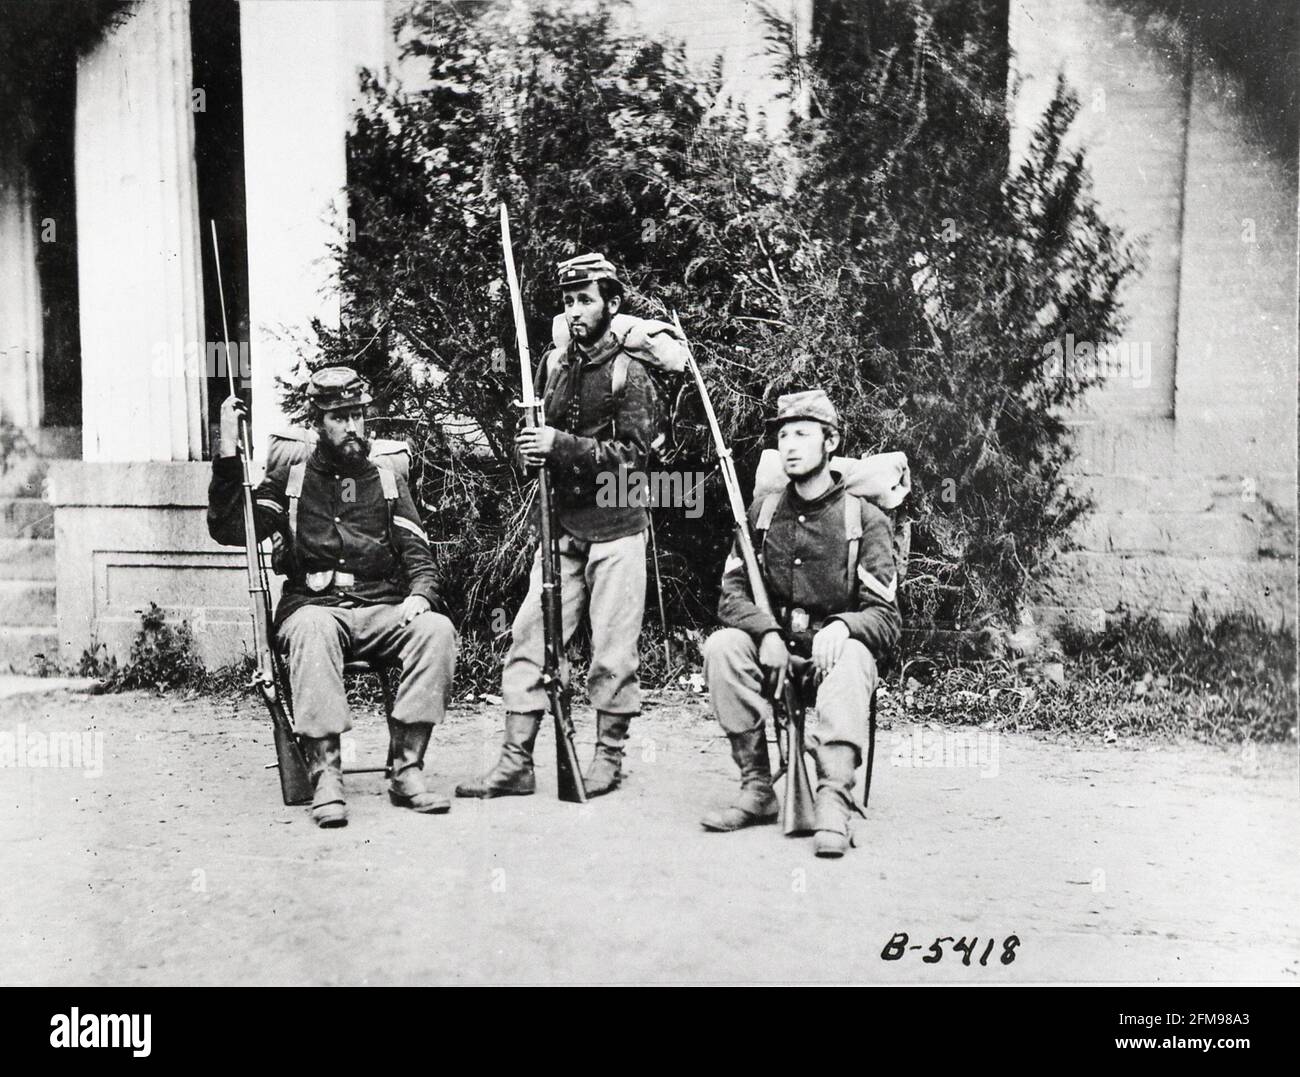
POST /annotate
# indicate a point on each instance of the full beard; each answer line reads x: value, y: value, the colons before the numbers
x: 585, y: 337
x: 352, y: 451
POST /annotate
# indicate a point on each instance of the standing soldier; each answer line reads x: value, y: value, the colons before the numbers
x: 840, y: 621
x: 361, y: 583
x: 600, y: 427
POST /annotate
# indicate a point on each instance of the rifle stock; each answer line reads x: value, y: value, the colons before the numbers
x: 797, y: 811
x: 295, y: 783
x: 569, y: 781
x: 797, y: 803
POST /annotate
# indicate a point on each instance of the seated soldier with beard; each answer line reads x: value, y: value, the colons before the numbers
x: 360, y: 583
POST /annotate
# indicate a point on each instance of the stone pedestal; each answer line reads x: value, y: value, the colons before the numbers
x: 134, y: 533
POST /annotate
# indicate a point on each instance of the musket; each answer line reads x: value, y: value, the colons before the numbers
x: 797, y: 803
x: 295, y: 784
x: 659, y: 592
x: 568, y: 775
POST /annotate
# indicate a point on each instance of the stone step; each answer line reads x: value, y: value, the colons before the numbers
x: 26, y: 517
x: 27, y: 603
x: 20, y: 645
x: 26, y: 559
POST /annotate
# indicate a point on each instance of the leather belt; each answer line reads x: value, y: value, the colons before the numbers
x: 320, y: 581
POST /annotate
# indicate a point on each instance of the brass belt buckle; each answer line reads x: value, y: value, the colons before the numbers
x: 798, y: 620
x: 319, y: 581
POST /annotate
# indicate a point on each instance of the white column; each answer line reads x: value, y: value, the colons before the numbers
x: 300, y: 61
x: 21, y: 333
x: 142, y: 336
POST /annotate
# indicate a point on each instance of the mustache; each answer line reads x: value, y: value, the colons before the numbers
x: 351, y: 445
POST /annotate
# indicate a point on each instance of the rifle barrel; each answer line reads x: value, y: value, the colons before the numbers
x: 797, y: 804
x: 730, y: 480
x: 259, y: 594
x: 569, y: 776
x: 295, y: 784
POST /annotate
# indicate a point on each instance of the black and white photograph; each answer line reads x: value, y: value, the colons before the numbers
x: 649, y: 493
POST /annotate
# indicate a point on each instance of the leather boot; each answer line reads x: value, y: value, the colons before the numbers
x: 606, y: 770
x: 836, y: 767
x: 325, y: 768
x: 513, y: 774
x: 756, y: 805
x: 407, y: 789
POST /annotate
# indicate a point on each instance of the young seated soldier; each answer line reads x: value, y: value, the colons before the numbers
x: 839, y: 621
x: 361, y: 584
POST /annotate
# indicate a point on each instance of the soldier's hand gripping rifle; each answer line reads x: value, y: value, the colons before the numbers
x: 295, y: 784
x: 568, y: 774
x: 797, y: 803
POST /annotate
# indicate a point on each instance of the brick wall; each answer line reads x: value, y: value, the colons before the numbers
x: 1194, y: 475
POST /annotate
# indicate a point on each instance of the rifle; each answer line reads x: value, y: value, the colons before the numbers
x: 295, y: 784
x: 568, y: 775
x: 797, y: 803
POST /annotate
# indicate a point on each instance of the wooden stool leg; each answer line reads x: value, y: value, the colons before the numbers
x: 386, y: 689
x: 871, y: 749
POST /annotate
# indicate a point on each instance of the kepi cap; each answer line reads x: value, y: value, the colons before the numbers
x: 584, y: 269
x: 337, y: 387
x: 812, y: 404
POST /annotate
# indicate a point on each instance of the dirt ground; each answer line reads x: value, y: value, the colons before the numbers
x: 178, y: 864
